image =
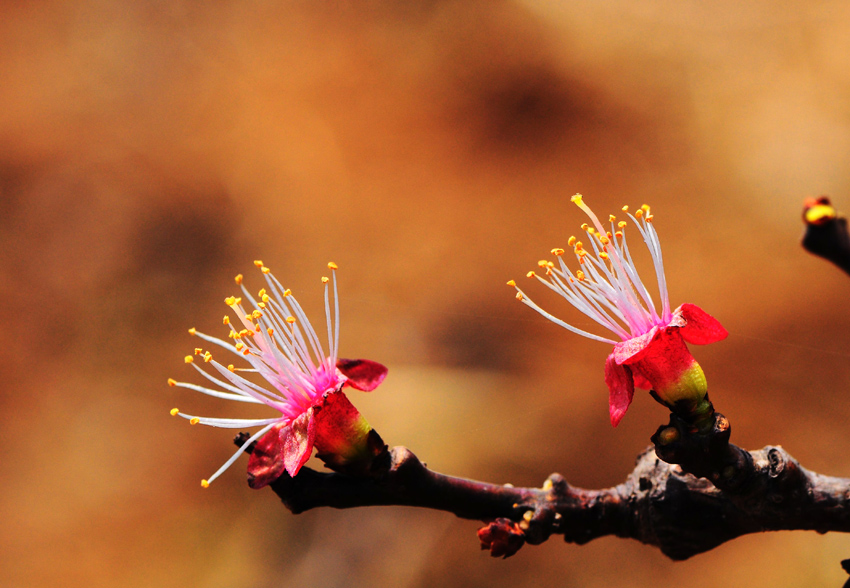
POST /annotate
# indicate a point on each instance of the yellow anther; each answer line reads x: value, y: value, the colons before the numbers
x: 584, y: 226
x: 226, y: 320
x: 619, y: 233
x: 258, y: 263
x: 239, y: 346
x: 233, y: 335
x: 230, y: 300
x: 530, y: 275
x: 550, y: 264
x: 192, y: 331
x: 262, y: 292
x: 324, y: 279
x: 207, y: 357
x: 579, y: 245
x: 581, y: 259
x: 261, y: 305
x: 194, y: 421
x: 622, y: 224
x: 577, y: 199
x: 290, y: 320
x: 542, y: 263
x: 512, y: 283
x: 231, y: 367
x: 256, y: 314
x: 205, y: 484
x: 270, y: 331
x: 580, y: 275
x: 266, y: 297
x: 287, y: 292
x: 172, y: 382
x: 609, y: 234
x: 625, y: 208
x: 174, y: 411
x: 198, y: 350
x: 557, y: 251
x: 611, y: 218
x: 243, y: 332
x: 332, y: 265
x: 519, y: 295
x: 604, y: 240
x: 603, y: 255
x: 649, y: 218
x: 638, y: 213
x: 265, y: 270
x: 571, y: 241
x: 645, y: 208
x: 188, y: 359
x: 238, y: 279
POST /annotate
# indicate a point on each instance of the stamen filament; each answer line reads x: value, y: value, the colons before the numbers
x: 608, y: 288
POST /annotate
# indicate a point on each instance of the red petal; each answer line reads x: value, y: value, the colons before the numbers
x: 700, y: 327
x: 631, y: 349
x: 663, y: 362
x: 344, y: 440
x: 266, y: 462
x: 639, y: 380
x: 621, y: 389
x: 362, y: 374
x: 339, y: 426
x: 297, y: 440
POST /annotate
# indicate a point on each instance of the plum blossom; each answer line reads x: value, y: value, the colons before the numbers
x: 289, y: 372
x: 650, y: 349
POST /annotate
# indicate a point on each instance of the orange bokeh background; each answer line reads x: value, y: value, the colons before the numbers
x: 151, y: 151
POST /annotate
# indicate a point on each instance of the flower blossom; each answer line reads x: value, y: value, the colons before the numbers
x: 290, y: 373
x: 651, y: 352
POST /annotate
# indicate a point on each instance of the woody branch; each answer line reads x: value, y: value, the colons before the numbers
x: 660, y: 503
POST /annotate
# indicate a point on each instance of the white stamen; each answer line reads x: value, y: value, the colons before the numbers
x: 611, y: 292
x: 292, y: 361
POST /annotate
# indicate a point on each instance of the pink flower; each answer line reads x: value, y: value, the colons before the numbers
x: 651, y: 352
x: 292, y: 376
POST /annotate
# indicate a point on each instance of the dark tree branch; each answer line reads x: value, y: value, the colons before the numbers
x: 826, y: 233
x: 659, y: 503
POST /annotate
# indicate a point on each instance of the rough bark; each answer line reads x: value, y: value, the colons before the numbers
x: 659, y: 503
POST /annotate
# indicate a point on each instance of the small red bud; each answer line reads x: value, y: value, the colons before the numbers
x: 503, y: 537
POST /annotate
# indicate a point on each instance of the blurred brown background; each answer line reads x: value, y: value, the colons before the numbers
x: 149, y: 151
